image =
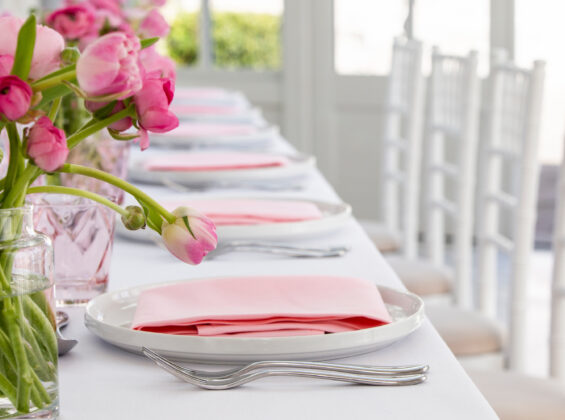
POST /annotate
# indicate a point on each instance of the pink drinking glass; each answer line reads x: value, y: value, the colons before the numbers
x: 82, y: 233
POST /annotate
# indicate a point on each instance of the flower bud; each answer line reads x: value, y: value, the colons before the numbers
x: 135, y: 218
x: 70, y: 55
x: 46, y: 145
x: 15, y: 97
x: 190, y: 237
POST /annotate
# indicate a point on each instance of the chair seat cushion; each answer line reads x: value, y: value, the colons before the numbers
x: 420, y: 276
x: 466, y: 333
x: 518, y: 397
x: 384, y: 239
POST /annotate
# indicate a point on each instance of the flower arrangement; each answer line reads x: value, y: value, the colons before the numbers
x: 123, y: 90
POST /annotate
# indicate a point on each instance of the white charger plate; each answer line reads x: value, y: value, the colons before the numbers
x: 110, y: 315
x: 260, y: 138
x: 299, y: 166
x: 334, y: 216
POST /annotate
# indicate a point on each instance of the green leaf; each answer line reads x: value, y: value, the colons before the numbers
x: 147, y: 42
x: 105, y: 111
x: 24, y: 49
x: 59, y: 72
x: 50, y: 94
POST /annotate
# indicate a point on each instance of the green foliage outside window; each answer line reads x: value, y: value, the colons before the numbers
x: 241, y: 40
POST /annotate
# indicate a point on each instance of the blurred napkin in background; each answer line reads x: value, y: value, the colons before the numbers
x: 235, y: 211
x: 213, y: 161
x: 261, y: 306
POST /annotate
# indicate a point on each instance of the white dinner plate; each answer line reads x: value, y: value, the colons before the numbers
x: 334, y: 215
x: 242, y: 116
x: 110, y: 315
x: 299, y: 166
x: 261, y: 138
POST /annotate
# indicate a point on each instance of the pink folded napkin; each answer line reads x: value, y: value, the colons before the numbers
x: 261, y: 306
x: 213, y: 161
x: 184, y: 109
x: 233, y: 211
x: 194, y: 129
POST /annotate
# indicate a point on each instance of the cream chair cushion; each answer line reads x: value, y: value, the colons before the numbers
x: 466, y: 333
x: 384, y: 239
x: 518, y: 397
x: 420, y: 276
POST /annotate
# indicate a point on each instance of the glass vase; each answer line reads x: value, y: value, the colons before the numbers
x: 28, y: 344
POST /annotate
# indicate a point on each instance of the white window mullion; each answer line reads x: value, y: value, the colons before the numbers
x: 205, y: 60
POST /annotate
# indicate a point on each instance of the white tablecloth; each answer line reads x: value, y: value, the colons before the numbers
x: 99, y: 381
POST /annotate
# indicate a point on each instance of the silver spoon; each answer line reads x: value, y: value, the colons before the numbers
x: 64, y: 345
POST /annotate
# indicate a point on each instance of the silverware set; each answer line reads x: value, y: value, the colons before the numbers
x: 278, y: 249
x: 232, y: 378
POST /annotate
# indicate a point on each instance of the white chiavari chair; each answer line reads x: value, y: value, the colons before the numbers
x: 519, y: 397
x: 401, y: 151
x: 509, y: 148
x: 451, y: 126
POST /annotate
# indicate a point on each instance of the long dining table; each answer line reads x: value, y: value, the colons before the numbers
x: 101, y: 381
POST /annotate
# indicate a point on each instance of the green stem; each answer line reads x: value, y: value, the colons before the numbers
x: 54, y: 108
x: 13, y: 163
x: 56, y: 79
x: 120, y: 183
x: 55, y: 189
x: 93, y: 127
x: 16, y: 193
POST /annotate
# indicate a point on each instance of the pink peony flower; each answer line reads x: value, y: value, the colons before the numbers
x: 15, y: 97
x: 110, y: 66
x: 153, y: 25
x: 48, y: 46
x: 152, y: 105
x: 120, y: 125
x: 73, y: 22
x: 190, y: 237
x: 6, y: 64
x: 155, y: 65
x: 47, y: 145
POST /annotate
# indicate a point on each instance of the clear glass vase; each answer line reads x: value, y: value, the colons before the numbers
x: 28, y: 344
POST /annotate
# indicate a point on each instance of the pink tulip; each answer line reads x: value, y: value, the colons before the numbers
x: 110, y: 66
x: 155, y: 65
x: 73, y: 22
x: 152, y: 105
x: 15, y: 97
x: 48, y: 46
x: 47, y: 145
x: 153, y: 25
x: 190, y: 237
x: 120, y: 125
x: 6, y: 64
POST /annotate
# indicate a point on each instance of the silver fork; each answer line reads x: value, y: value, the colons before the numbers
x: 238, y: 378
x: 265, y: 186
x: 278, y: 249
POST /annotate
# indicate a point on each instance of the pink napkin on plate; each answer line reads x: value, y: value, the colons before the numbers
x: 233, y: 211
x: 261, y: 306
x: 185, y: 109
x: 194, y: 129
x: 213, y: 161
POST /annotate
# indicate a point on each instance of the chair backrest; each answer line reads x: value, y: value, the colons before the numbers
x: 557, y: 330
x: 402, y: 143
x: 452, y: 124
x: 508, y: 181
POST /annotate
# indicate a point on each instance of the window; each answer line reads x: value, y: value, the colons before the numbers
x: 456, y: 27
x: 364, y: 30
x: 539, y: 32
x: 227, y: 34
